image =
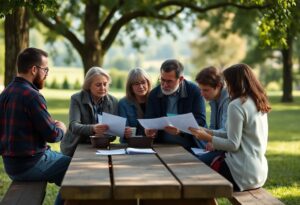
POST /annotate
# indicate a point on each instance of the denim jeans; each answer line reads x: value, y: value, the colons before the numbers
x: 207, y: 158
x: 51, y: 168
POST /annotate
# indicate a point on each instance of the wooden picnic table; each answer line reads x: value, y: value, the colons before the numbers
x: 172, y: 176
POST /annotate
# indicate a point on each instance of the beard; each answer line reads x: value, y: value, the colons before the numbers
x: 170, y: 92
x: 39, y: 82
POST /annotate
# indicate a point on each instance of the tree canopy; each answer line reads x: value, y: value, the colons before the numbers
x: 92, y: 26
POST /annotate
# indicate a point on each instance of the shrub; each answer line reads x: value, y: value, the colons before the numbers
x: 54, y: 84
x: 119, y: 83
x: 77, y: 85
x: 65, y: 84
x: 273, y: 86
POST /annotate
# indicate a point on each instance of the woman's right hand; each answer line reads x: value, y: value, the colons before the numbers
x: 100, y: 129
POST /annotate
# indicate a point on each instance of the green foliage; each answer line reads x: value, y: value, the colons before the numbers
x: 276, y: 21
x: 214, y: 49
x: 77, y: 85
x: 273, y: 75
x: 118, y: 78
x: 47, y: 6
x: 54, y: 84
x: 121, y: 63
x: 65, y: 84
x: 120, y: 83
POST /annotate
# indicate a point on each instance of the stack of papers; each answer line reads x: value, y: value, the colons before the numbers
x: 129, y: 150
x: 111, y: 152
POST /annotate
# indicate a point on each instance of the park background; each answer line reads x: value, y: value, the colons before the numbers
x: 197, y: 45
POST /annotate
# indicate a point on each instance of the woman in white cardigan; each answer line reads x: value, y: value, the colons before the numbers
x: 245, y: 143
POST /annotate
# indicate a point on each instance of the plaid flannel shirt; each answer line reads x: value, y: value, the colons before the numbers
x: 25, y: 124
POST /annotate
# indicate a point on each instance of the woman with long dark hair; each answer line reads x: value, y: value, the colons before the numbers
x: 244, y: 162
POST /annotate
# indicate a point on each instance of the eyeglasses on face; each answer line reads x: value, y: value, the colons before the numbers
x: 46, y: 69
x: 142, y: 82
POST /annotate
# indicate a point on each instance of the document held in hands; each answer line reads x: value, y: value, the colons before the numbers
x: 116, y: 123
x: 182, y: 122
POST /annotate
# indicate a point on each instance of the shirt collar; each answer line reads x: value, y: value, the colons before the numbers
x: 20, y: 79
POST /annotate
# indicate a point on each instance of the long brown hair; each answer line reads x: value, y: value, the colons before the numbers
x: 241, y: 82
x: 134, y: 76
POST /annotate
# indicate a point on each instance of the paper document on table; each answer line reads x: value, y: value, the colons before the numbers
x: 131, y: 150
x: 111, y: 152
x: 154, y: 123
x: 116, y: 124
x: 199, y: 151
x: 183, y: 122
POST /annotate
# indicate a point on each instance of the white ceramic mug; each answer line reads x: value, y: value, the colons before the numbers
x: 133, y: 131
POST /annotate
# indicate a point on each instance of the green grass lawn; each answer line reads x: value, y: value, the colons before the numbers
x: 283, y: 148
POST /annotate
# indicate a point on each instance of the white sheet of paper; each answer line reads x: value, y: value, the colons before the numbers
x: 116, y: 124
x: 131, y: 150
x: 183, y: 122
x: 199, y: 151
x: 154, y: 123
x: 111, y: 152
x: 100, y: 119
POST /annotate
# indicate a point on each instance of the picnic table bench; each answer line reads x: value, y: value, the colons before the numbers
x: 257, y: 196
x: 25, y: 193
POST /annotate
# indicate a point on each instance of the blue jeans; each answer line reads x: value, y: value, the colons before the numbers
x: 51, y: 168
x: 207, y: 158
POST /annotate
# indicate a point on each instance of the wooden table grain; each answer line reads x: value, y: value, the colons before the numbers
x: 172, y: 176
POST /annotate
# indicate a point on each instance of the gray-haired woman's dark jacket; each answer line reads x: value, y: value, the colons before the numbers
x: 81, y: 120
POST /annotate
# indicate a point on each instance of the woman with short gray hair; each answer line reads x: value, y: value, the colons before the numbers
x: 86, y: 109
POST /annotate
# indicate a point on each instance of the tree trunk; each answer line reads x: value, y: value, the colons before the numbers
x: 287, y: 70
x: 93, y: 55
x: 16, y: 39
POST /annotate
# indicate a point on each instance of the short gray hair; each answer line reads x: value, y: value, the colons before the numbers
x: 92, y: 72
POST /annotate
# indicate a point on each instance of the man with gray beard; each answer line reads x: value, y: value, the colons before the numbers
x: 174, y: 96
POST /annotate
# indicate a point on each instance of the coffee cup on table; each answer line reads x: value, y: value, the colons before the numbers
x: 133, y: 131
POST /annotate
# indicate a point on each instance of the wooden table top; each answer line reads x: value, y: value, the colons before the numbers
x: 172, y: 173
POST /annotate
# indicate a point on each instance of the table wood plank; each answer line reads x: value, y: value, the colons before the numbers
x: 88, y: 176
x: 143, y: 177
x: 198, y: 180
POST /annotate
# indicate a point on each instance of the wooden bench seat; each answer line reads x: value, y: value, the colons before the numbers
x: 25, y: 193
x: 254, y: 197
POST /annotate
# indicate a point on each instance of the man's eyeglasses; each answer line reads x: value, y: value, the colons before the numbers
x: 168, y: 82
x: 46, y: 70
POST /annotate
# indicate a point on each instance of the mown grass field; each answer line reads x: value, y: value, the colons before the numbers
x: 283, y: 148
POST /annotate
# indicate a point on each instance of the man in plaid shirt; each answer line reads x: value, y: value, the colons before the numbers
x: 26, y: 126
